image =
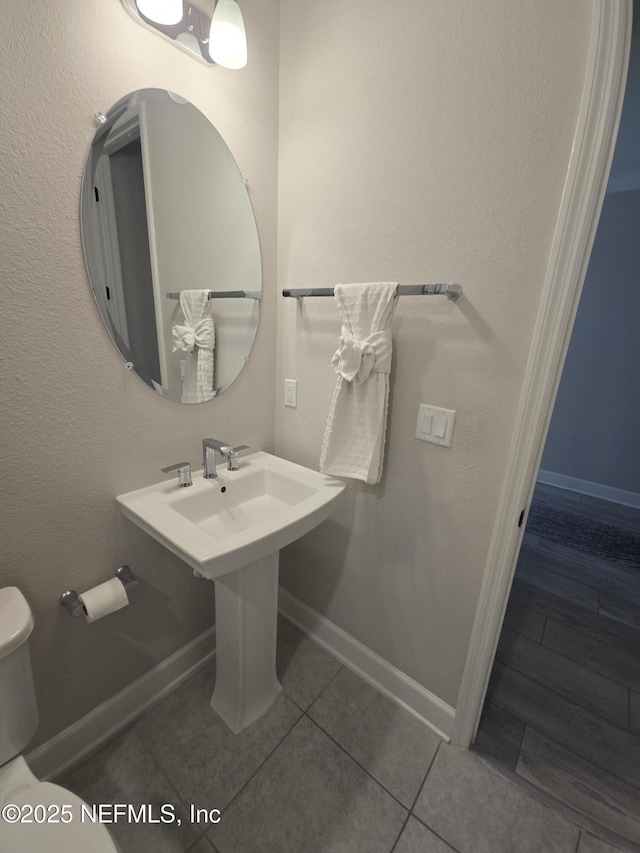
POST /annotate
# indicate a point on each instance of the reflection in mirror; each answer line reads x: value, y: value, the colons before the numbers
x: 171, y: 245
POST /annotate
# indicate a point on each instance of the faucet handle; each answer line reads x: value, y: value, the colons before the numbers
x: 184, y: 473
x: 233, y: 464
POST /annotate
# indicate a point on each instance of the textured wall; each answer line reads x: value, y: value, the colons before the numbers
x: 421, y: 142
x: 77, y: 428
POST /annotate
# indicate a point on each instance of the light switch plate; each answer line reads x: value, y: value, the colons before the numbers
x: 435, y: 424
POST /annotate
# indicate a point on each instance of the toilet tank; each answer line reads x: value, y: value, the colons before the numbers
x: 18, y: 708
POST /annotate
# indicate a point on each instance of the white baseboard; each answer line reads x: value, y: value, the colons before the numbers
x: 393, y: 683
x: 68, y: 748
x: 594, y: 490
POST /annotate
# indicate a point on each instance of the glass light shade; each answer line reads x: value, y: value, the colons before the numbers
x: 161, y: 11
x: 227, y: 37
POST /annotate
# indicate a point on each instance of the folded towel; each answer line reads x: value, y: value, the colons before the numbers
x: 353, y: 444
x: 196, y: 338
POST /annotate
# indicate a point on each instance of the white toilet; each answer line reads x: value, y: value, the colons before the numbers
x: 18, y: 786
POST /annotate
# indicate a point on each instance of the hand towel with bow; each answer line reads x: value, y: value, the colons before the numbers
x: 196, y: 338
x: 353, y: 444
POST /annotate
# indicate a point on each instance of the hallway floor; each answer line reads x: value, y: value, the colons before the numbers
x: 333, y: 767
x: 563, y: 706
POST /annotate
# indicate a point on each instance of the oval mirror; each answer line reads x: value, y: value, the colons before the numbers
x: 171, y: 246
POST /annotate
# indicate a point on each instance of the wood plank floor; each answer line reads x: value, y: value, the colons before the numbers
x: 563, y: 707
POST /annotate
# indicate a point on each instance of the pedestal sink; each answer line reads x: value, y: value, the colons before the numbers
x: 230, y: 530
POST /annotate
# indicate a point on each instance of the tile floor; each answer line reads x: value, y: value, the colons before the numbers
x: 333, y: 767
x: 563, y: 705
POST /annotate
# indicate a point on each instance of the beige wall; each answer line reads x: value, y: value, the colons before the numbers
x: 77, y: 428
x: 420, y: 141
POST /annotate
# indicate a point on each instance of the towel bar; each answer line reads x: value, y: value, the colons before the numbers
x: 226, y: 294
x: 451, y: 291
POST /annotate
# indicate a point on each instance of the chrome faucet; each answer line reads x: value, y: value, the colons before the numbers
x: 184, y: 473
x: 209, y: 447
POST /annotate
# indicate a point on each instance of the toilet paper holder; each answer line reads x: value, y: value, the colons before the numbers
x: 72, y: 602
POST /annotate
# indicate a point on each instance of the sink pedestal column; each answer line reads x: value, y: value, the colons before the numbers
x: 246, y: 623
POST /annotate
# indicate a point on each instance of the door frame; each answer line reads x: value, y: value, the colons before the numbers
x: 582, y: 199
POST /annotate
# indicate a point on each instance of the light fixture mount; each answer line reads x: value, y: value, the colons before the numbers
x: 189, y: 26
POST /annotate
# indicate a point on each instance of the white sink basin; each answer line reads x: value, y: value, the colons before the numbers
x: 233, y: 537
x: 266, y: 505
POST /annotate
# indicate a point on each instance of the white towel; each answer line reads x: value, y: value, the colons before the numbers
x: 354, y: 438
x: 196, y: 338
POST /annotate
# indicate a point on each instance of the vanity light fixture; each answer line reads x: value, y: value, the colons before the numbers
x: 214, y: 35
x: 227, y: 37
x: 161, y: 11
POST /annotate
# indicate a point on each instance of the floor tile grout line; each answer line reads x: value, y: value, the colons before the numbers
x: 420, y: 790
x: 571, y: 580
x: 579, y: 840
x: 196, y: 843
x: 583, y: 663
x: 257, y: 770
x: 129, y: 726
x: 562, y: 599
x: 573, y: 752
x: 575, y: 557
x: 563, y: 696
x: 603, y: 634
x: 566, y: 698
x: 439, y: 837
x: 524, y: 731
x: 239, y: 791
x: 544, y: 630
x: 182, y: 802
x: 415, y: 799
x: 573, y: 814
x: 426, y: 776
x: 402, y: 829
x: 355, y: 761
x: 331, y: 680
x: 607, y: 649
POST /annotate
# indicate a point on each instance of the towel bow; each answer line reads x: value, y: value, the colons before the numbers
x: 355, y: 359
x: 201, y: 335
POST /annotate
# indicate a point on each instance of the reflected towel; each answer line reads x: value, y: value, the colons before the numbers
x: 353, y: 444
x: 196, y: 338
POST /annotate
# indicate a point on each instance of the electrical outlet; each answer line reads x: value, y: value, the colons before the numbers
x: 291, y: 393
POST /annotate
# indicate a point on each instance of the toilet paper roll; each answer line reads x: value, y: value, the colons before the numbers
x: 104, y: 599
